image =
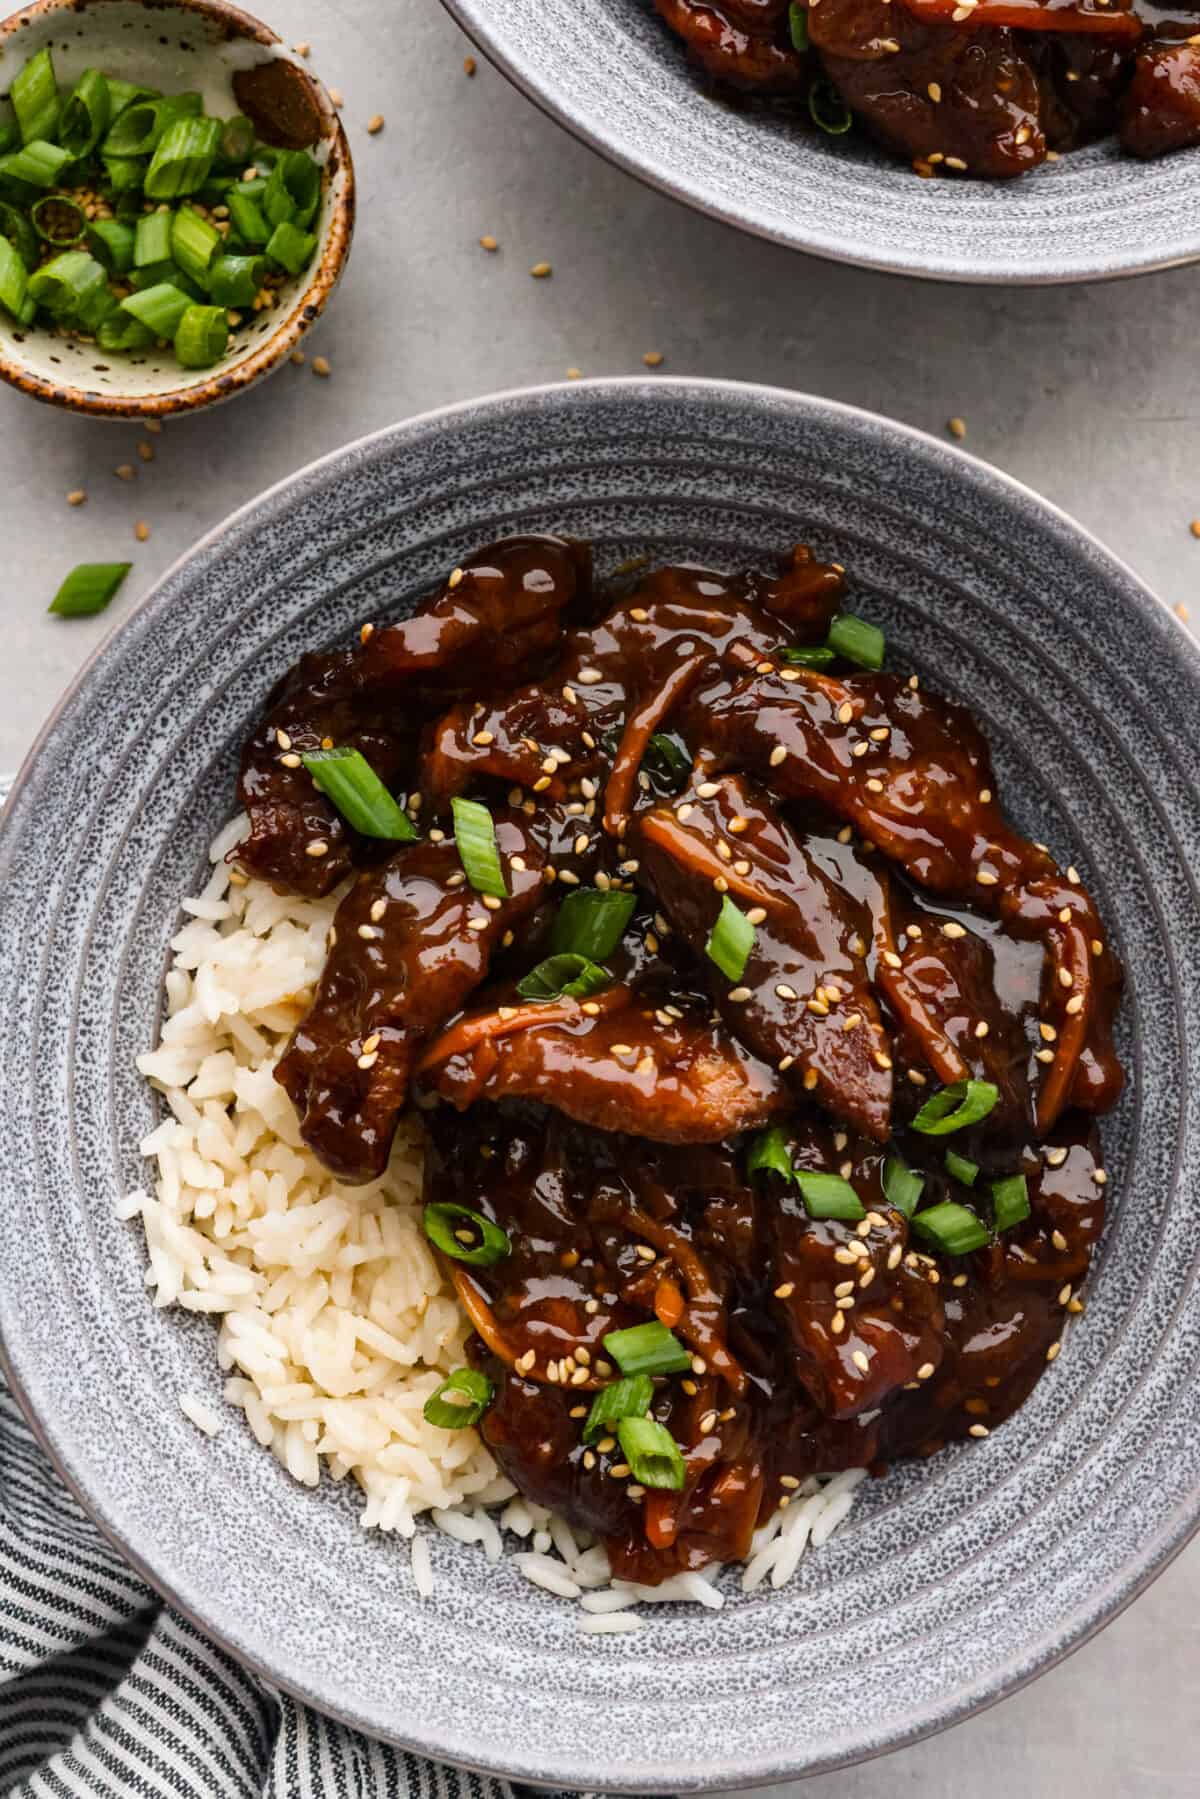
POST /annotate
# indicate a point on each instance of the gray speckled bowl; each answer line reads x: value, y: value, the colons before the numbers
x: 955, y: 1580
x: 611, y: 72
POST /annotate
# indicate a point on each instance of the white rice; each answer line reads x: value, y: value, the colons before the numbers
x: 335, y: 1323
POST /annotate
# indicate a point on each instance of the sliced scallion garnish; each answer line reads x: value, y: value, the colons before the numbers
x: 70, y: 286
x: 952, y: 1228
x: 20, y: 234
x: 652, y: 1453
x: 293, y: 189
x: 111, y: 242
x: 829, y: 1196
x: 667, y: 762
x: 235, y: 280
x: 857, y: 641
x: 85, y: 115
x: 590, y: 923
x: 648, y: 1349
x: 248, y: 218
x: 1010, y: 1201
x: 159, y: 308
x: 730, y: 940
x: 464, y: 1235
x: 290, y: 247
x: 58, y: 220
x: 814, y: 655
x: 960, y: 1169
x: 902, y: 1185
x: 461, y: 1400
x: 798, y: 27
x: 152, y: 239
x: 201, y: 337
x: 194, y: 243
x: 38, y: 163
x: 628, y: 1398
x: 475, y: 835
x: 827, y: 109
x: 182, y: 158
x: 953, y: 1108
x: 88, y: 589
x: 14, y: 281
x: 347, y: 778
x: 34, y: 96
x: 564, y: 977
x: 769, y: 1150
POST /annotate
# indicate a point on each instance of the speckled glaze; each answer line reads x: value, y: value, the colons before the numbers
x: 173, y: 45
x: 955, y: 1580
x: 612, y: 73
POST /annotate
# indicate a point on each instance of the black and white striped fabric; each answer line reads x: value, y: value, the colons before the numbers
x: 106, y: 1693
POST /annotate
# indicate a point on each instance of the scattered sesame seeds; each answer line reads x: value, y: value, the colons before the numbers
x: 145, y: 450
x: 469, y: 65
x: 786, y: 992
x: 541, y: 270
x: 739, y: 995
x: 368, y: 931
x: 1058, y: 1240
x: 934, y: 90
x: 785, y: 1290
x: 860, y: 1360
x: 321, y: 367
x: 956, y: 426
x: 291, y: 760
x: 926, y: 1371
x: 778, y: 755
x: 316, y: 848
x: 374, y: 124
x: 588, y: 677
x: 845, y: 712
x: 978, y: 1430
x: 986, y: 877
x: 1043, y: 1055
x: 1052, y: 1353
x: 837, y: 1323
x: 337, y: 97
x: 653, y: 359
x: 477, y: 924
x: 141, y: 531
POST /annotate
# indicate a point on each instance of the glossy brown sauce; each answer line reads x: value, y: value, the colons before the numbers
x: 984, y: 88
x: 905, y: 937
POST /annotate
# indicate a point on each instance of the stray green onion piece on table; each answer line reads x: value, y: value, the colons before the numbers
x: 88, y: 588
x: 96, y: 172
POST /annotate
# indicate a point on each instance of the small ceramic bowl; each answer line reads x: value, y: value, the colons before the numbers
x: 955, y: 1579
x: 176, y: 45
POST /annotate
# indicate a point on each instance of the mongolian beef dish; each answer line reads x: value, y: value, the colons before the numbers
x: 759, y: 1055
x: 976, y: 87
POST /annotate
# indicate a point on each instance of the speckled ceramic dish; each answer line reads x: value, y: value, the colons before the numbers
x: 173, y: 45
x: 955, y: 1579
x: 611, y: 72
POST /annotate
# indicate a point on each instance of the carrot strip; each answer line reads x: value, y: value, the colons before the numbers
x: 668, y: 1303
x: 483, y: 1027
x: 1030, y: 15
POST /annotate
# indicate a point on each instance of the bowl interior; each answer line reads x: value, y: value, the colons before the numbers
x: 954, y: 1580
x: 612, y: 72
x: 173, y: 47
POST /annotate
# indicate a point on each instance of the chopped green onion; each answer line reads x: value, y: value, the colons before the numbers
x: 247, y: 218
x: 954, y: 1108
x: 182, y: 158
x: 667, y: 762
x: 201, y: 337
x: 124, y: 174
x: 235, y: 280
x: 459, y: 1401
x: 20, y: 234
x: 623, y: 1399
x: 155, y: 274
x: 290, y: 247
x: 142, y: 126
x: 590, y: 923
x: 71, y: 286
x: 152, y: 239
x: 10, y: 137
x: 902, y: 1185
x: 565, y: 976
x: 652, y: 1453
x: 34, y: 96
x: 119, y: 331
x: 856, y: 641
x: 159, y: 308
x: 959, y: 1169
x: 481, y: 1243
x: 730, y: 940
x: 815, y: 655
x: 827, y: 109
x: 950, y: 1227
x: 293, y: 191
x: 475, y: 835
x: 14, y: 281
x: 111, y: 243
x: 347, y: 778
x: 57, y: 220
x: 798, y: 27
x: 88, y: 589
x: 769, y: 1150
x: 194, y: 243
x: 237, y: 140
x: 829, y: 1196
x: 37, y: 163
x: 648, y: 1349
x: 124, y: 93
x: 85, y: 115
x: 1010, y: 1201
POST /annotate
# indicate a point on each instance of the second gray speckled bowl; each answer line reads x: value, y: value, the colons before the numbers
x: 955, y: 1579
x: 611, y: 72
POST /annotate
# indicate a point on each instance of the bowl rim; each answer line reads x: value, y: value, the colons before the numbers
x: 228, y: 381
x: 1155, y: 1554
x: 471, y: 18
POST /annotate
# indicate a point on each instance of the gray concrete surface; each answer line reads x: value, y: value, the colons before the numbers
x: 1088, y: 394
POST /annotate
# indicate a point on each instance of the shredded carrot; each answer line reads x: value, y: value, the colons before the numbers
x: 668, y: 1303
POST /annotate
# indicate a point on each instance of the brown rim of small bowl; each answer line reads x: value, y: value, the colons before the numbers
x: 311, y: 301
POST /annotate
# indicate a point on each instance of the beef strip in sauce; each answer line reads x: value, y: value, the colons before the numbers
x: 905, y: 938
x: 974, y: 88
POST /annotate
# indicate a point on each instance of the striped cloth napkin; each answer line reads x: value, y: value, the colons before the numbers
x: 106, y: 1693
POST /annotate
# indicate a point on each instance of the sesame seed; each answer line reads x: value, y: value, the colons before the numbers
x: 488, y: 242
x: 892, y: 959
x: 708, y: 790
x: 845, y: 1303
x: 1053, y: 1352
x: 290, y: 761
x: 590, y: 1007
x: 368, y: 931
x: 881, y: 1060
x: 1100, y: 1177
x: 1075, y: 1004
x: 894, y: 1255
x: 981, y: 1029
x: 861, y: 749
x: 541, y: 784
x: 785, y: 1290
x: 477, y: 924
x: 950, y: 929
x: 810, y: 1079
x: 374, y: 124
x: 1073, y: 876
x: 490, y: 902
x: 336, y: 96
x: 77, y: 496
x: 367, y: 1061
x: 483, y: 738
x: 925, y: 1371
x: 934, y: 91
x: 860, y: 1361
x: 708, y: 1424
x: 875, y: 786
x: 1066, y: 978
x: 540, y: 270
x: 1043, y: 1055
x: 1058, y: 1240
x: 141, y: 531
x: 785, y: 1063
x: 786, y: 992
x: 587, y: 677
x: 986, y: 878
x: 653, y: 358
x: 845, y: 712
x: 978, y: 1430
x: 739, y: 995
x: 956, y: 162
x: 778, y: 755
x: 317, y: 848
x: 851, y: 1021
x: 956, y: 427
x: 837, y: 1323
x: 321, y: 367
